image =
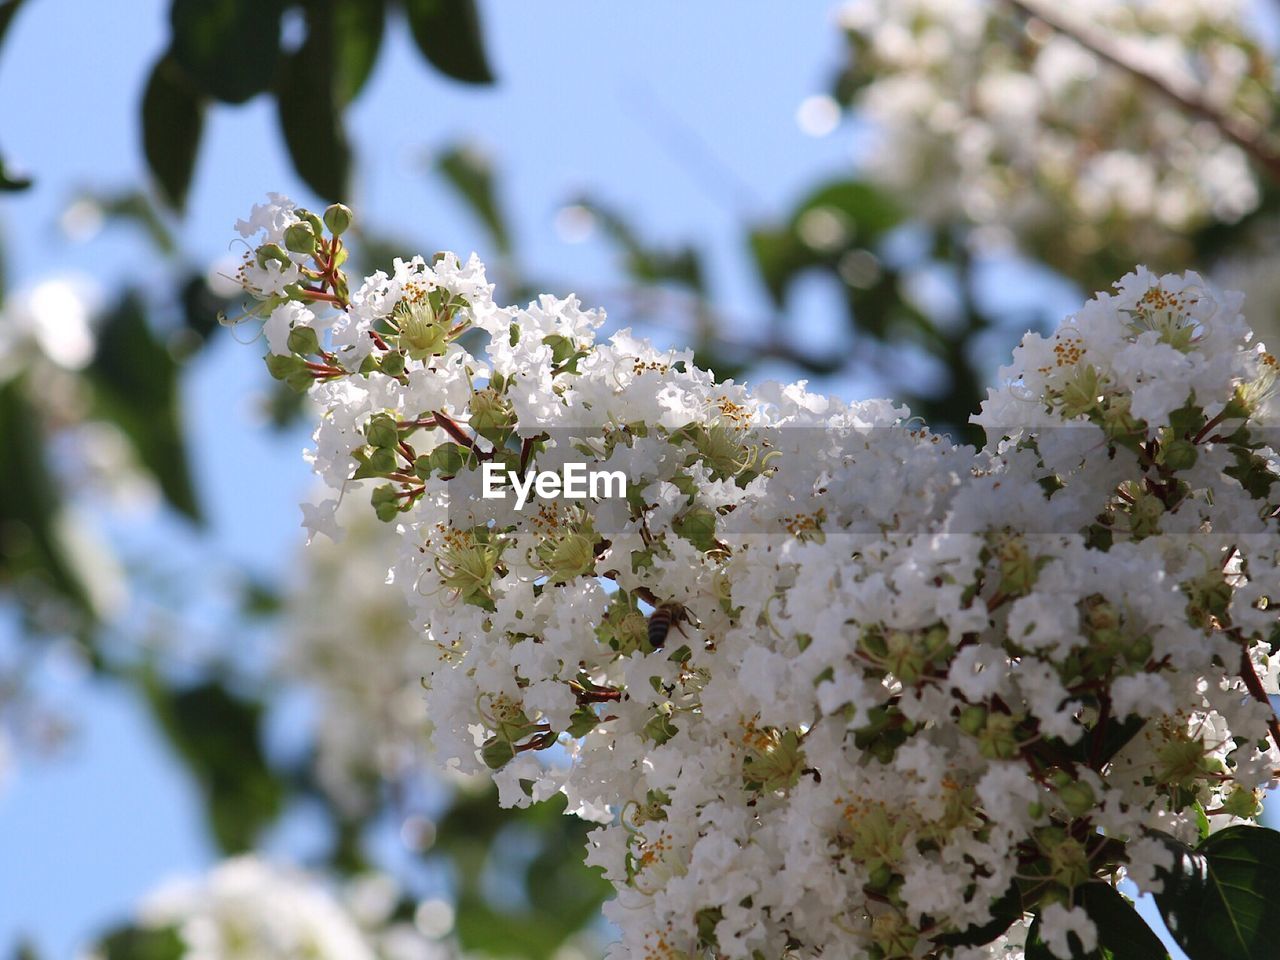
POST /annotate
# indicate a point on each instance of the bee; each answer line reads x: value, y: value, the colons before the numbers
x: 662, y: 620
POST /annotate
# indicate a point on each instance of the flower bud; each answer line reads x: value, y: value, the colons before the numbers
x: 271, y: 251
x: 303, y: 341
x: 338, y: 218
x: 1179, y: 455
x: 385, y: 502
x: 381, y: 431
x: 298, y: 238
x: 1077, y: 797
x: 973, y: 719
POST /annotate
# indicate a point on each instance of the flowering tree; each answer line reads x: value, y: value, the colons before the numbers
x: 831, y: 683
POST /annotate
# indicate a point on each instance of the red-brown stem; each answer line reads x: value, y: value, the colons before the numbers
x: 453, y: 430
x: 1256, y: 690
x: 1203, y: 432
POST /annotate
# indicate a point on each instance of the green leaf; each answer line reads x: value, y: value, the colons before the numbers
x: 136, y: 379
x: 134, y: 208
x: 132, y: 943
x: 310, y: 119
x: 1004, y: 912
x: 1219, y: 899
x: 646, y: 263
x: 229, y: 48
x: 1122, y: 933
x: 860, y: 212
x: 358, y: 29
x: 172, y: 121
x: 11, y: 182
x: 1035, y: 948
x: 217, y: 734
x: 469, y: 173
x: 29, y: 506
x: 7, y: 11
x: 448, y: 34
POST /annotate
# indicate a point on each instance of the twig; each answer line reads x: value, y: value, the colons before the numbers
x: 1256, y: 690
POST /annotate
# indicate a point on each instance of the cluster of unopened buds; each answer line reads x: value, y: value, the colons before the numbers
x: 831, y: 684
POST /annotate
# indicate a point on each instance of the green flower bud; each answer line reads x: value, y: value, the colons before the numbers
x: 880, y: 879
x: 381, y: 431
x: 496, y: 753
x: 271, y: 251
x: 1077, y: 798
x: 973, y: 719
x: 385, y: 502
x: 1068, y: 862
x: 998, y: 740
x: 338, y: 218
x: 1242, y: 803
x: 392, y: 363
x: 304, y: 341
x: 299, y: 238
x: 1178, y: 455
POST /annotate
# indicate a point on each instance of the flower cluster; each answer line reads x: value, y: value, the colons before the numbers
x: 832, y: 684
x: 1001, y: 118
x: 371, y: 727
x: 246, y: 908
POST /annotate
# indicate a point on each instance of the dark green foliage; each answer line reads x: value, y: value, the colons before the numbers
x: 229, y: 48
x: 1219, y: 900
x: 307, y: 101
x: 137, y: 944
x: 448, y: 34
x: 217, y: 734
x: 172, y: 121
x: 136, y: 379
x: 471, y: 176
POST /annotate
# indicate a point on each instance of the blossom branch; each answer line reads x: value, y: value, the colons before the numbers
x: 1243, y: 133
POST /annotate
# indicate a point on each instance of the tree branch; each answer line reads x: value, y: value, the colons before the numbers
x: 1243, y: 133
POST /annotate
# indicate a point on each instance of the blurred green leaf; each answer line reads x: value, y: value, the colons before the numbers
x: 10, y: 182
x: 358, y: 29
x: 829, y: 223
x: 229, y: 48
x: 7, y: 11
x: 646, y: 263
x: 135, y: 208
x: 449, y: 35
x: 201, y: 306
x: 172, y: 122
x: 470, y: 174
x: 310, y: 118
x: 137, y: 388
x: 561, y: 894
x: 218, y: 735
x: 132, y: 943
x: 29, y: 504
